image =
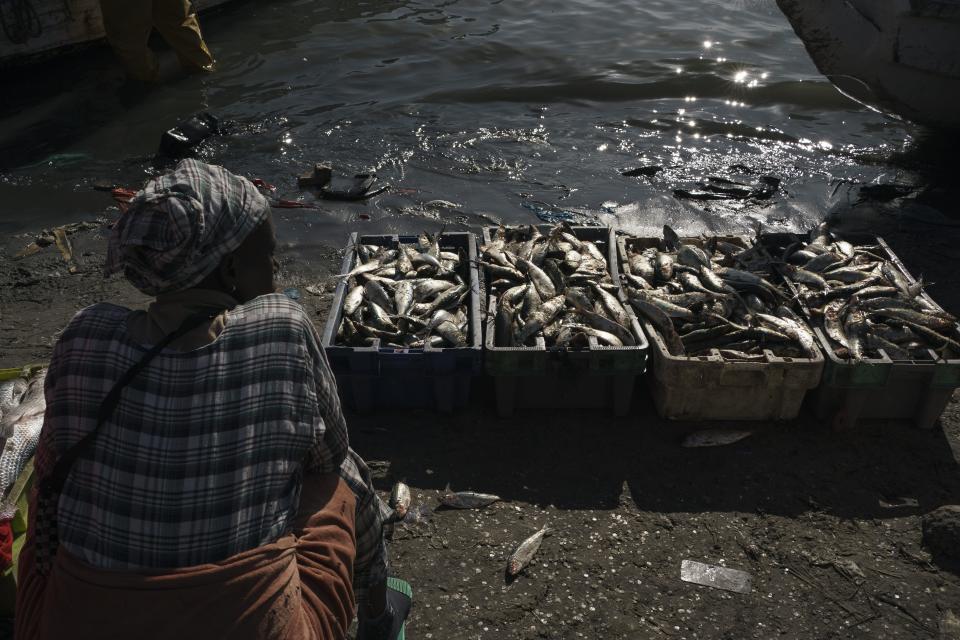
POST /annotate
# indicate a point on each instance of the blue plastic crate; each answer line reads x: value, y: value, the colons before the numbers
x: 376, y: 377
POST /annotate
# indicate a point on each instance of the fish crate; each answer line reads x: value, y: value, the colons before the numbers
x: 877, y: 388
x: 378, y: 377
x: 713, y: 388
x: 542, y: 377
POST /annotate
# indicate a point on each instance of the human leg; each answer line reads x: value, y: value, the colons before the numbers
x: 128, y: 24
x: 177, y: 23
x: 382, y: 610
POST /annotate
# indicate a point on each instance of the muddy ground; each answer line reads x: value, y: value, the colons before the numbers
x: 827, y: 523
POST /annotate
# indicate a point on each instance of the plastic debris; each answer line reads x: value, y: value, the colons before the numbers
x: 292, y: 293
x: 184, y: 138
x: 648, y: 171
x: 898, y: 503
x: 318, y: 178
x: 710, y: 575
x: 360, y: 187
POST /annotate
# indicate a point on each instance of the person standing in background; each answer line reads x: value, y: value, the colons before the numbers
x: 128, y: 24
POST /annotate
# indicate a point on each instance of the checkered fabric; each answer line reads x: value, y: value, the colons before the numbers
x: 203, y: 456
x: 181, y: 225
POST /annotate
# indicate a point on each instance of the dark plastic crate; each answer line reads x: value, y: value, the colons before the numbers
x: 877, y: 388
x: 712, y: 388
x: 378, y: 377
x: 557, y: 378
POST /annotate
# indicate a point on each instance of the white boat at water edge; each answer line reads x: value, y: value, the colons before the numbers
x: 898, y: 56
x: 31, y: 29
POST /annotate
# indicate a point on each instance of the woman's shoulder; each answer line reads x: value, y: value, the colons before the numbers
x: 96, y: 318
x: 274, y: 310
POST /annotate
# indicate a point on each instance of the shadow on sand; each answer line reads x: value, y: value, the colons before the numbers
x: 586, y: 460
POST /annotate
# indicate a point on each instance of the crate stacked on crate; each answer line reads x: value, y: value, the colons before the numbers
x: 891, y: 351
x: 725, y: 344
x: 553, y: 343
x: 385, y: 356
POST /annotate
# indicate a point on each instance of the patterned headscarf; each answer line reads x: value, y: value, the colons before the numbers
x: 181, y: 225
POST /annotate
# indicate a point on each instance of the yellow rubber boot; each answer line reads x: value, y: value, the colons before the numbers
x: 177, y: 23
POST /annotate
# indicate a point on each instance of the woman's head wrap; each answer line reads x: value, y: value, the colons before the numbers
x: 181, y: 225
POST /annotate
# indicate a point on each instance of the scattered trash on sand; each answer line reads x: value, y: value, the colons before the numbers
x: 710, y: 575
x: 57, y: 236
x: 520, y: 558
x: 715, y: 437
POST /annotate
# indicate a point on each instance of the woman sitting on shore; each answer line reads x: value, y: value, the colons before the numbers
x: 180, y: 443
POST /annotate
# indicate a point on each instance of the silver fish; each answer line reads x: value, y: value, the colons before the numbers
x: 524, y: 553
x: 468, y: 500
x: 20, y: 425
x: 400, y: 499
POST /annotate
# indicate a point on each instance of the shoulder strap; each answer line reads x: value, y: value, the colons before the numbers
x: 58, y: 477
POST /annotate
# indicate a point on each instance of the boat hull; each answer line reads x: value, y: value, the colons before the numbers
x: 898, y: 56
x: 52, y: 26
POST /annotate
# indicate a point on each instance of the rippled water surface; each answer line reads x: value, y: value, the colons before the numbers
x: 503, y: 108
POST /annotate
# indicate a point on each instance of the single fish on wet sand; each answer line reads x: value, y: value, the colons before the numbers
x: 520, y: 558
x: 467, y: 500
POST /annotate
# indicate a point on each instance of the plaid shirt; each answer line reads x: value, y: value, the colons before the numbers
x: 203, y: 456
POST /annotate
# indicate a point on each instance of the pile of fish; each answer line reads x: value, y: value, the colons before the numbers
x: 712, y: 297
x: 406, y: 296
x: 865, y: 302
x: 22, y: 405
x: 556, y: 287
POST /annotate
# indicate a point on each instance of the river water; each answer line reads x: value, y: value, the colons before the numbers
x: 505, y: 109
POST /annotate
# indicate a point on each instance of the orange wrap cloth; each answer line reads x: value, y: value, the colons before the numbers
x: 297, y: 588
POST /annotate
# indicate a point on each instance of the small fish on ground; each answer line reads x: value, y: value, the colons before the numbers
x: 467, y: 500
x: 400, y: 499
x: 715, y: 437
x: 524, y: 553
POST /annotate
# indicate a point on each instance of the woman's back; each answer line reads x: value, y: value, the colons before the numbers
x: 200, y: 460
